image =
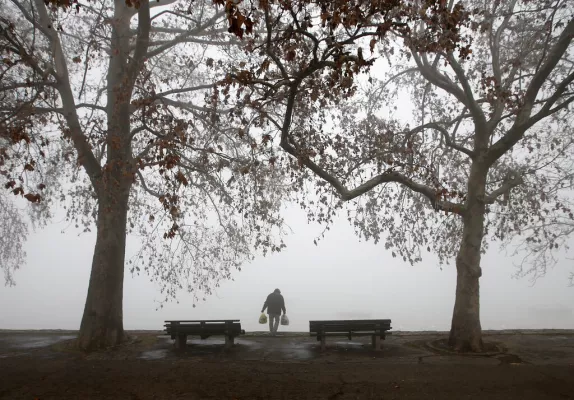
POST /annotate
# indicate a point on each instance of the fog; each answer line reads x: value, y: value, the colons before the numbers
x: 342, y: 277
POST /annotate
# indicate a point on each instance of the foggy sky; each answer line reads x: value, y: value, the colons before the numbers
x: 340, y: 278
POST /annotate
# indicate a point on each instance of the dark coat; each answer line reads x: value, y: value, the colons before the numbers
x: 274, y: 304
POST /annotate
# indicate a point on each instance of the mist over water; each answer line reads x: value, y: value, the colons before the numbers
x: 341, y: 278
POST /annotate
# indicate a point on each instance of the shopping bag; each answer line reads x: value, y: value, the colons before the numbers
x: 263, y: 318
x: 284, y: 320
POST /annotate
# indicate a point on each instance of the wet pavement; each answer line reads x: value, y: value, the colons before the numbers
x: 34, y: 341
x: 47, y: 365
x: 524, y: 347
x: 24, y: 343
x: 540, y: 349
x: 154, y: 354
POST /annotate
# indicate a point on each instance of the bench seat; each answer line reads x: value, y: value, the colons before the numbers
x: 180, y: 330
x: 376, y: 328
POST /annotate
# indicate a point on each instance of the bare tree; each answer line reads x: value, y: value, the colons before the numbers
x: 13, y: 234
x: 488, y: 150
x: 497, y: 127
x: 124, y: 108
x: 16, y: 161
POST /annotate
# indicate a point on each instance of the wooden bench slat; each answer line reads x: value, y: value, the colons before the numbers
x: 204, y: 325
x: 181, y: 329
x: 351, y: 321
x: 203, y: 328
x: 363, y: 326
x: 206, y: 320
x: 376, y: 328
x: 338, y: 334
x: 347, y: 328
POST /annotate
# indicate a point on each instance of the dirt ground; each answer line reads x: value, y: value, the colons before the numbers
x: 523, y: 365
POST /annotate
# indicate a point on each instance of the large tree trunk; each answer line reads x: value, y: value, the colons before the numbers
x: 466, y: 332
x: 102, y: 322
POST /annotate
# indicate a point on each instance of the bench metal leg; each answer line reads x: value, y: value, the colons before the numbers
x: 377, y: 342
x: 180, y: 341
x: 323, y: 343
x: 229, y: 341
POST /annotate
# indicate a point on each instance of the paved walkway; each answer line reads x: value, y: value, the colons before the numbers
x: 522, y: 347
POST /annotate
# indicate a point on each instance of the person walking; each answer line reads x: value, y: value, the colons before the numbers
x: 274, y: 304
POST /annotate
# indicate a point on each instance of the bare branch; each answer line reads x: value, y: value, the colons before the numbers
x: 506, y: 187
x: 547, y: 109
x: 522, y: 120
x: 185, y: 90
x: 439, y: 80
x: 145, y: 187
x: 471, y: 104
x: 142, y: 43
x: 25, y: 85
x: 85, y: 155
x: 206, y: 42
x: 92, y: 106
x: 269, y: 46
x: 348, y: 194
x: 186, y: 105
x: 185, y: 36
x: 445, y: 135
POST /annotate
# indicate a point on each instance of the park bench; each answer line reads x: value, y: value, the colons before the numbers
x: 180, y: 330
x: 376, y: 328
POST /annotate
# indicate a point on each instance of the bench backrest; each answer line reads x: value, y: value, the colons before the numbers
x: 203, y: 327
x: 350, y: 326
x: 202, y: 320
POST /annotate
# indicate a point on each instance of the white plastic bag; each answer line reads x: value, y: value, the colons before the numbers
x: 263, y: 318
x: 284, y: 320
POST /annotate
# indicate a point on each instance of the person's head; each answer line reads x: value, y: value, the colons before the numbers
x: 277, y: 291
